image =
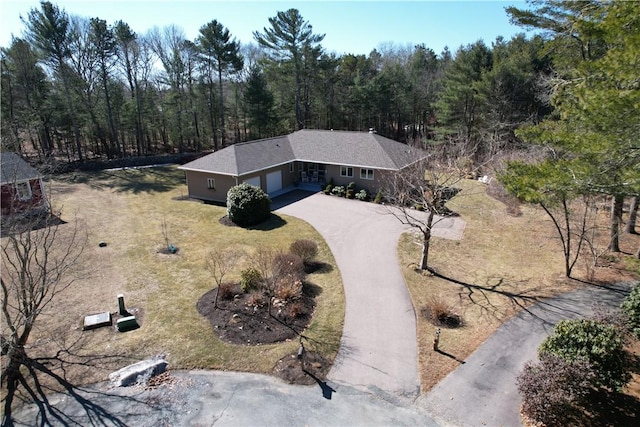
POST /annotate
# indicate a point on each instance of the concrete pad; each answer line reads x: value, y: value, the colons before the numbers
x: 94, y: 321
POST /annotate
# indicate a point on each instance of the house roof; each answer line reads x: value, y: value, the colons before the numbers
x: 358, y: 149
x: 14, y: 169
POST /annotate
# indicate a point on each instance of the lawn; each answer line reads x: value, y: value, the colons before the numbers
x: 126, y: 209
x: 502, y: 264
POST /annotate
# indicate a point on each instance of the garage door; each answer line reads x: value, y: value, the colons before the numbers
x: 274, y: 181
x: 253, y: 181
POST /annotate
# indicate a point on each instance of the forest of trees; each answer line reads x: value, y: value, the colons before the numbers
x: 80, y: 88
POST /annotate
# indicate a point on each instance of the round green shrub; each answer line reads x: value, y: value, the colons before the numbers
x: 599, y: 344
x: 247, y: 205
x: 250, y: 279
x: 631, y: 309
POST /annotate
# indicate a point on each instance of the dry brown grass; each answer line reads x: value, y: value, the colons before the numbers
x: 126, y: 210
x: 502, y: 264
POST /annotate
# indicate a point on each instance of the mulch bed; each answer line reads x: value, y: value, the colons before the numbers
x: 236, y: 321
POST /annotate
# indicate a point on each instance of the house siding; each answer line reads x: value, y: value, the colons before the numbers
x: 11, y: 205
x: 371, y: 185
x: 197, y: 185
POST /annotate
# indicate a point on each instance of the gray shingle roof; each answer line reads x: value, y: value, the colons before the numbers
x: 14, y: 169
x: 361, y: 149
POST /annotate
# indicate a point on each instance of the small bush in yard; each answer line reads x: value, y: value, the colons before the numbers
x: 288, y: 265
x: 599, y: 344
x: 247, y: 205
x: 338, y: 191
x: 250, y: 279
x: 362, y: 195
x: 327, y: 189
x: 225, y: 291
x: 305, y: 249
x: 296, y: 309
x: 350, y: 194
x: 255, y: 299
x: 441, y: 313
x: 378, y: 198
x: 631, y: 309
x: 554, y: 389
x: 288, y: 289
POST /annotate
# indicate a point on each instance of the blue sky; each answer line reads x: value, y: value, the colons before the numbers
x: 350, y: 26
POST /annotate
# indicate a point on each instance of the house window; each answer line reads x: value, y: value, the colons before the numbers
x: 346, y: 171
x: 211, y: 183
x: 366, y: 173
x: 291, y: 167
x: 23, y: 190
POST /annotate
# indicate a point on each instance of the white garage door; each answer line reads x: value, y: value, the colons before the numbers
x: 274, y: 181
x: 253, y: 181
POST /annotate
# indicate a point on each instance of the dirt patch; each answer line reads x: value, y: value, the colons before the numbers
x: 307, y: 370
x: 246, y: 318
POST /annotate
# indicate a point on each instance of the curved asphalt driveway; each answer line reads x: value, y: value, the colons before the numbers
x: 378, y: 351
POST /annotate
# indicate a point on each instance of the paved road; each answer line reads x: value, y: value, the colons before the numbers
x: 207, y: 398
x: 378, y: 351
x: 482, y: 391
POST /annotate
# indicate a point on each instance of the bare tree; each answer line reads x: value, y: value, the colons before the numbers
x: 39, y: 260
x: 418, y: 194
x: 220, y: 263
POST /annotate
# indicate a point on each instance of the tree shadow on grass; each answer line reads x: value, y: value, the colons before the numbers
x: 479, y: 295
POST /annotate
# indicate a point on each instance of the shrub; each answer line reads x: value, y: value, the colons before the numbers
x: 599, y: 344
x: 350, y: 193
x: 338, y: 191
x: 631, y: 309
x: 247, y: 205
x: 554, y: 389
x: 296, y: 309
x: 378, y: 198
x: 289, y: 266
x: 250, y: 279
x: 351, y: 186
x: 255, y: 299
x: 305, y: 249
x: 362, y: 195
x: 288, y: 289
x: 327, y: 189
x: 441, y: 313
x: 226, y: 291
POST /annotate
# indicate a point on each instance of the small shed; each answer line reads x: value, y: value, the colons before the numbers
x: 22, y: 187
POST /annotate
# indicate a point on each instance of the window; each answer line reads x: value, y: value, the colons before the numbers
x: 291, y: 167
x: 346, y: 171
x: 211, y: 183
x: 366, y: 173
x: 23, y: 190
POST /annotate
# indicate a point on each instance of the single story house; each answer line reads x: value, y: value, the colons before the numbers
x: 304, y: 159
x: 22, y: 189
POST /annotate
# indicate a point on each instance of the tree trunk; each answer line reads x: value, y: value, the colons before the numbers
x: 222, y: 126
x: 633, y: 213
x: 426, y: 241
x: 72, y: 110
x: 616, y: 220
x: 112, y: 126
